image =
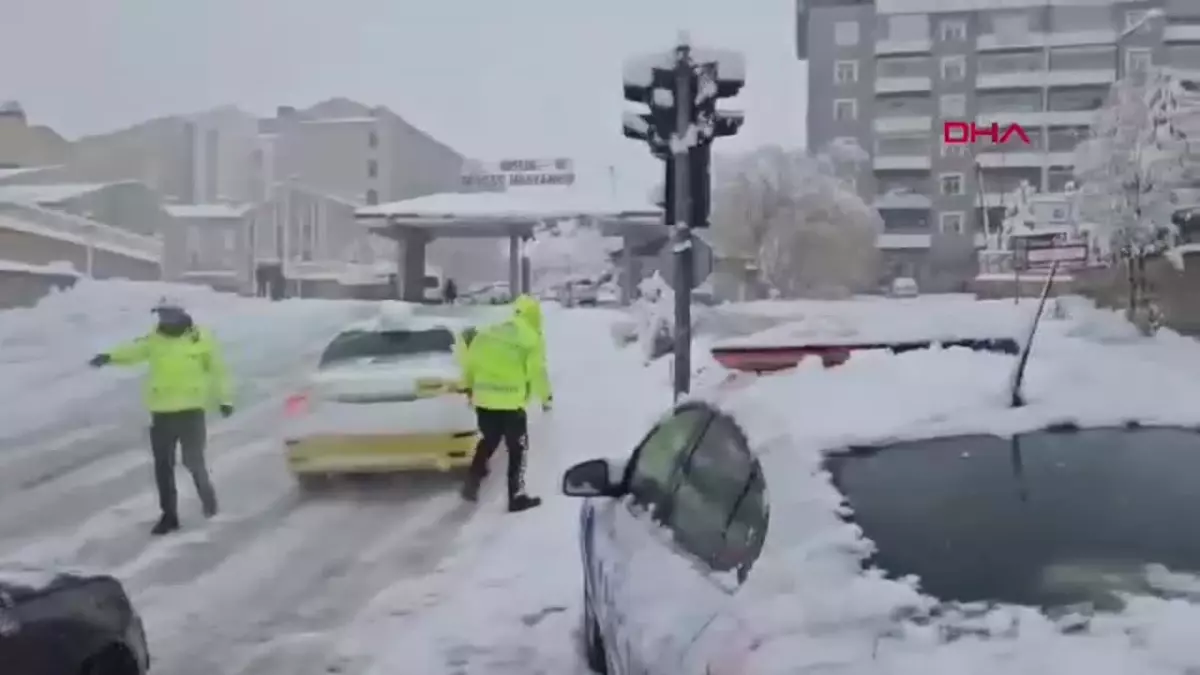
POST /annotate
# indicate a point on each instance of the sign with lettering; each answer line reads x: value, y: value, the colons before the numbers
x: 522, y: 173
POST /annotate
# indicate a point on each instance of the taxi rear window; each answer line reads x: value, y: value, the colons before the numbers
x: 386, y: 345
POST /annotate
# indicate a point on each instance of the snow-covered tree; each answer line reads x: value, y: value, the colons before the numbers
x: 1133, y: 162
x: 800, y: 218
x: 566, y: 250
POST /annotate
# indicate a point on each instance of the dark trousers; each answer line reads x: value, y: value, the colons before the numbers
x: 186, y: 430
x: 495, y: 426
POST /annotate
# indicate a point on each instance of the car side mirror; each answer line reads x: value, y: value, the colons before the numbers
x: 593, y: 478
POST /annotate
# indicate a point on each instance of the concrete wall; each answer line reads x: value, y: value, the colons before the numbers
x: 24, y: 289
x: 36, y: 250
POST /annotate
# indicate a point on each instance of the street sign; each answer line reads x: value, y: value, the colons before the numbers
x: 519, y: 172
x: 1042, y: 252
x: 702, y: 261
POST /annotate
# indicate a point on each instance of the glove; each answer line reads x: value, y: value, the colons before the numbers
x: 226, y: 410
x: 100, y: 360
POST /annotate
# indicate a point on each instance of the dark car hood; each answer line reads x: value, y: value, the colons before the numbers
x: 20, y: 581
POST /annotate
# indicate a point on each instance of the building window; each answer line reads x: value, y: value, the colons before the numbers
x: 954, y: 30
x: 953, y: 106
x: 845, y: 109
x: 952, y: 222
x: 372, y: 169
x: 845, y: 33
x: 372, y: 197
x: 952, y: 184
x: 950, y: 150
x: 845, y: 72
x: 954, y: 68
x: 1138, y: 60
x: 372, y: 139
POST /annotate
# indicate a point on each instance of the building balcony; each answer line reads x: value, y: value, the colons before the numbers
x: 906, y: 200
x: 904, y: 124
x: 1182, y: 33
x: 993, y: 42
x: 1069, y: 38
x: 922, y: 46
x: 1053, y: 118
x: 1045, y: 78
x: 894, y: 85
x: 1011, y: 160
x: 903, y: 240
x: 1060, y: 159
x: 1083, y: 38
x: 902, y: 163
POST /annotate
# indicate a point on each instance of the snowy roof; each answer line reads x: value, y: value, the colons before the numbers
x: 60, y: 269
x: 20, y: 171
x: 48, y: 194
x: 510, y: 206
x: 209, y: 211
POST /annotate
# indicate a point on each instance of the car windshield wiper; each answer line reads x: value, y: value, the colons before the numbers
x: 1016, y: 398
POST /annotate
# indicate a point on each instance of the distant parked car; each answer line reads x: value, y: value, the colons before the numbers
x: 59, y: 623
x: 904, y: 287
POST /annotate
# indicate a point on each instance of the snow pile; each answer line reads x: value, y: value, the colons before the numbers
x: 46, y: 347
x: 655, y: 315
x: 811, y: 606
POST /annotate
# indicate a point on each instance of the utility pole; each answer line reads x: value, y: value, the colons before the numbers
x: 681, y: 88
x: 681, y: 145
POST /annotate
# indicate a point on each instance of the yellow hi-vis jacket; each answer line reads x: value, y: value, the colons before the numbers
x: 186, y: 372
x: 504, y: 367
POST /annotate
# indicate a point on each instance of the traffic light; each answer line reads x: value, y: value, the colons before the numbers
x: 698, y: 164
x: 657, y: 126
x: 711, y: 86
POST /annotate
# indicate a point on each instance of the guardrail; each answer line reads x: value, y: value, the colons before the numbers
x: 82, y: 231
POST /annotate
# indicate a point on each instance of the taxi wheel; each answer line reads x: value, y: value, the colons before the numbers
x: 593, y: 642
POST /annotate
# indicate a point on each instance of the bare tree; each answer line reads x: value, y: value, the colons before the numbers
x: 800, y: 218
x: 1129, y: 170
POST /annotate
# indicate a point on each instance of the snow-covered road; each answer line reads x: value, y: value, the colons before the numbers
x: 278, y: 582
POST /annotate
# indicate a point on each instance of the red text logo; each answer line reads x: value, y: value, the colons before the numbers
x: 969, y: 133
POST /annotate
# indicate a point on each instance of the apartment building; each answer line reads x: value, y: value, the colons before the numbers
x: 889, y: 73
x: 364, y: 154
x: 189, y: 159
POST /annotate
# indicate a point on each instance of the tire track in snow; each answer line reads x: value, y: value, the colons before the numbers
x: 202, y: 627
x: 125, y: 469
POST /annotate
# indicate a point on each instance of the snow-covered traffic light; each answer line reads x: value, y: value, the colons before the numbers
x: 681, y: 88
x: 650, y: 87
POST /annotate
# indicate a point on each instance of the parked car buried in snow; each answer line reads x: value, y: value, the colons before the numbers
x: 383, y: 398
x: 727, y: 544
x: 62, y: 623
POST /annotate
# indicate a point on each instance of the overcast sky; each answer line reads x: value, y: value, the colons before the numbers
x: 492, y: 78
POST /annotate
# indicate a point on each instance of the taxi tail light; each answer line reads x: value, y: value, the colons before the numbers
x: 296, y: 405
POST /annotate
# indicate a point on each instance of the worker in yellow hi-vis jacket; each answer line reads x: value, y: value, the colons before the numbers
x: 504, y: 369
x: 187, y: 377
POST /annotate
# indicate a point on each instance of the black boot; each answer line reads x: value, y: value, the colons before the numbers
x: 168, y: 523
x: 470, y: 490
x: 210, y: 507
x: 519, y: 503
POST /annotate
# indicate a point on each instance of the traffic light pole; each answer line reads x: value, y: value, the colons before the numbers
x: 682, y: 229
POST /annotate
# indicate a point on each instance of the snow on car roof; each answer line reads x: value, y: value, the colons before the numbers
x: 1091, y: 369
x: 884, y: 321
